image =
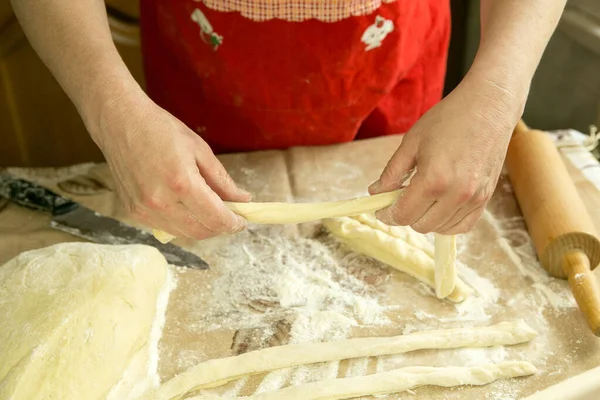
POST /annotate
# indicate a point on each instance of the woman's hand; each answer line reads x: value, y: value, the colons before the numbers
x: 457, y: 150
x: 166, y: 176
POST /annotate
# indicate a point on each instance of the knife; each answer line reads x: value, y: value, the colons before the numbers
x: 71, y: 217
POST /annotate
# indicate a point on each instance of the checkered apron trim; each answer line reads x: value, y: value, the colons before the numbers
x: 297, y: 10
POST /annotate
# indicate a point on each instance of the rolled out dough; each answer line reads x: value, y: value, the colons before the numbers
x: 74, y: 319
x: 398, y: 247
x: 217, y: 372
x: 296, y: 213
x: 395, y: 381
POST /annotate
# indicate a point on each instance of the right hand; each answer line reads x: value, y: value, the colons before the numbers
x: 166, y: 176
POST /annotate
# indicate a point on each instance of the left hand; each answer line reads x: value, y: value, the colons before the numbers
x: 457, y: 149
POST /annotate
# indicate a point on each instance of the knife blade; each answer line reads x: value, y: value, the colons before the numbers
x: 75, y: 219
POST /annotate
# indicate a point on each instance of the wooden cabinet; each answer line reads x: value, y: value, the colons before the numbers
x: 39, y: 126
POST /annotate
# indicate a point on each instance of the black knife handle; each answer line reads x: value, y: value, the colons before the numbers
x: 33, y: 196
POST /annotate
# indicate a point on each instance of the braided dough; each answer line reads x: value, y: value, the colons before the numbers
x: 405, y: 250
x: 218, y: 372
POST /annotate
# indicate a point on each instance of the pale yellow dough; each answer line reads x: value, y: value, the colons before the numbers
x: 445, y: 265
x: 74, y: 318
x: 403, y: 249
x: 218, y: 372
x: 393, y: 381
x: 443, y: 274
x: 296, y: 213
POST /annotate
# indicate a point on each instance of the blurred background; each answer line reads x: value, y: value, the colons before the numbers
x: 40, y: 127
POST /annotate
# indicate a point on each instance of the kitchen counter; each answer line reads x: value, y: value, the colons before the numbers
x: 273, y: 285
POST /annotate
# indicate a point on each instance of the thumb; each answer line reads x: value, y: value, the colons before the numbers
x: 398, y: 169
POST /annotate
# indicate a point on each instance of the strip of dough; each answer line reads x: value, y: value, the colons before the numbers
x: 217, y: 372
x: 445, y: 265
x: 296, y: 213
x: 395, y: 381
x: 392, y: 250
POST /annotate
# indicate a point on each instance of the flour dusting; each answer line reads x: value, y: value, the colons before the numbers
x: 275, y: 289
x: 299, y: 280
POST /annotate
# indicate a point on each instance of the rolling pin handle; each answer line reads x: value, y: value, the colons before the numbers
x: 584, y: 286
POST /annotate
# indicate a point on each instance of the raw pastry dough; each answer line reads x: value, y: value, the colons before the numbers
x: 296, y: 213
x: 162, y: 237
x: 445, y: 265
x: 74, y: 316
x: 398, y: 247
x: 217, y: 372
x: 403, y: 233
x: 395, y: 381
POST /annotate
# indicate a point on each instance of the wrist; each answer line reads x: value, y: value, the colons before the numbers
x: 498, y: 92
x: 108, y: 98
x: 505, y: 76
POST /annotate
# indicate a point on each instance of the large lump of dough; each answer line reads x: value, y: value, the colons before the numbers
x: 74, y: 317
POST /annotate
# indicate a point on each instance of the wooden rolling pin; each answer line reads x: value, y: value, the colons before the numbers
x: 562, y: 231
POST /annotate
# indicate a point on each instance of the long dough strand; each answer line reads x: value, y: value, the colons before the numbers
x: 395, y: 381
x: 217, y: 372
x: 393, y: 251
x: 445, y: 265
x: 296, y: 213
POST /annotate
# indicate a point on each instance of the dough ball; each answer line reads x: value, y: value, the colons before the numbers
x: 73, y: 316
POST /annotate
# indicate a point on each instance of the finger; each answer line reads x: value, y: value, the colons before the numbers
x: 439, y: 214
x: 217, y: 177
x: 156, y: 221
x: 458, y: 216
x: 477, y: 200
x: 154, y: 211
x: 412, y: 204
x: 183, y: 220
x: 466, y: 224
x: 210, y: 210
x: 398, y: 169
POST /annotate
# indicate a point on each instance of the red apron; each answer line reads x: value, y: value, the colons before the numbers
x: 263, y: 74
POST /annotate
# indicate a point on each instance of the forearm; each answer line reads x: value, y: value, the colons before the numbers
x: 73, y: 39
x: 514, y: 35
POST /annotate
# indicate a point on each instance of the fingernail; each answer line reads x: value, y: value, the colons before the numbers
x: 241, y: 224
x: 245, y: 194
x: 374, y: 187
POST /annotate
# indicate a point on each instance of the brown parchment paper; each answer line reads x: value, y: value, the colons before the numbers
x: 564, y: 348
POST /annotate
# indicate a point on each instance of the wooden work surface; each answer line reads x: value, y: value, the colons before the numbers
x: 233, y: 308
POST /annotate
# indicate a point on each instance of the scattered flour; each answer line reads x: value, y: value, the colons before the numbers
x: 357, y: 367
x: 554, y: 299
x: 303, y: 289
x: 273, y: 380
x: 524, y: 259
x: 300, y: 280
